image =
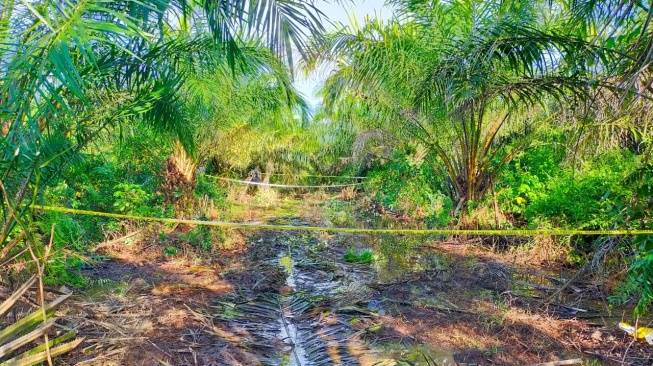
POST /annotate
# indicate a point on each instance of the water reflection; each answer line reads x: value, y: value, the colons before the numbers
x: 399, y: 255
x: 418, y: 355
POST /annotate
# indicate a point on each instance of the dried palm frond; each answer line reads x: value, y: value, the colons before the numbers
x: 419, y: 156
x: 15, y: 338
x: 372, y: 144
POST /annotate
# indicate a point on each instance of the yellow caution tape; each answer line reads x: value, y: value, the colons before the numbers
x: 644, y: 333
x: 245, y: 225
x: 282, y: 185
x: 316, y: 176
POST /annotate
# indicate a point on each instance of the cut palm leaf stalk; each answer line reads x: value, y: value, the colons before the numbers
x: 19, y: 342
x: 42, y: 348
x: 30, y: 321
x: 41, y: 357
x: 7, y: 304
x: 30, y: 328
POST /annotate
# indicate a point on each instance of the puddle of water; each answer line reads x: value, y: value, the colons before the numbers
x: 288, y: 328
x: 399, y: 255
x: 289, y: 335
x: 328, y: 338
x: 534, y: 279
x: 530, y: 285
x: 419, y: 355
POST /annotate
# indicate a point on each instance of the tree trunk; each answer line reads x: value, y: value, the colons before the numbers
x: 496, y: 208
x: 179, y: 180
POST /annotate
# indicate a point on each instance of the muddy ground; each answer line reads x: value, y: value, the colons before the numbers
x: 293, y: 298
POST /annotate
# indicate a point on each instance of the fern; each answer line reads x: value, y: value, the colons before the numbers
x: 642, y: 274
x: 640, y: 278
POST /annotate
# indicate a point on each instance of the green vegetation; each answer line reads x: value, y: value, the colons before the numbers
x: 515, y: 115
x: 365, y: 256
x: 407, y: 185
x: 457, y: 114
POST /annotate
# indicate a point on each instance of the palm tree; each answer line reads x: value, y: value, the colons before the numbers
x: 233, y: 113
x: 71, y: 69
x: 623, y: 26
x: 456, y: 75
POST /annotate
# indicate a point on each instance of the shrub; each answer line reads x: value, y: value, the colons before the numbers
x: 130, y: 199
x: 410, y: 187
x: 351, y: 256
x: 120, y: 179
x: 636, y: 212
x: 207, y: 186
x: 543, y: 195
x: 340, y: 213
x: 203, y: 237
x: 266, y: 197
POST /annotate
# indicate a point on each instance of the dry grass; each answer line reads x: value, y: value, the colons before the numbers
x: 482, y: 217
x: 266, y: 197
x: 347, y: 193
x: 206, y: 208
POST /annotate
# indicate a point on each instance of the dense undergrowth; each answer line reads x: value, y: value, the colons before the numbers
x: 545, y: 187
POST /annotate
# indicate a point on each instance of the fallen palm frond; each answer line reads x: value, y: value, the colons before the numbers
x: 7, y: 304
x: 16, y: 337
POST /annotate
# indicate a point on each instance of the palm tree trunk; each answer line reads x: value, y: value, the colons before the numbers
x: 495, y: 203
x: 179, y: 179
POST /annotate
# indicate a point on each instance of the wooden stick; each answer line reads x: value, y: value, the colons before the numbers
x: 117, y: 240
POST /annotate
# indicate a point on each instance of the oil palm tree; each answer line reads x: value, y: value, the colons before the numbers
x: 71, y: 69
x: 623, y: 26
x: 456, y: 75
x: 233, y: 113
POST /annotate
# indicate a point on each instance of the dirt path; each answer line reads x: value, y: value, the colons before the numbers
x: 291, y: 298
x: 278, y: 302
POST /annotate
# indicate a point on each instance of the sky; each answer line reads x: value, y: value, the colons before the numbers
x: 339, y: 13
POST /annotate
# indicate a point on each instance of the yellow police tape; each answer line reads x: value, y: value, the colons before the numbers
x: 244, y: 225
x: 292, y: 186
x: 317, y: 176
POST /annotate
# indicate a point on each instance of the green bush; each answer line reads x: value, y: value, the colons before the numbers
x: 636, y: 212
x: 364, y: 257
x: 541, y: 191
x: 340, y: 213
x: 207, y: 186
x: 120, y: 179
x: 130, y: 199
x: 410, y: 188
x: 203, y: 237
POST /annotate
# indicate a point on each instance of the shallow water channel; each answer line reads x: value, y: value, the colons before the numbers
x: 328, y: 312
x: 288, y: 328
